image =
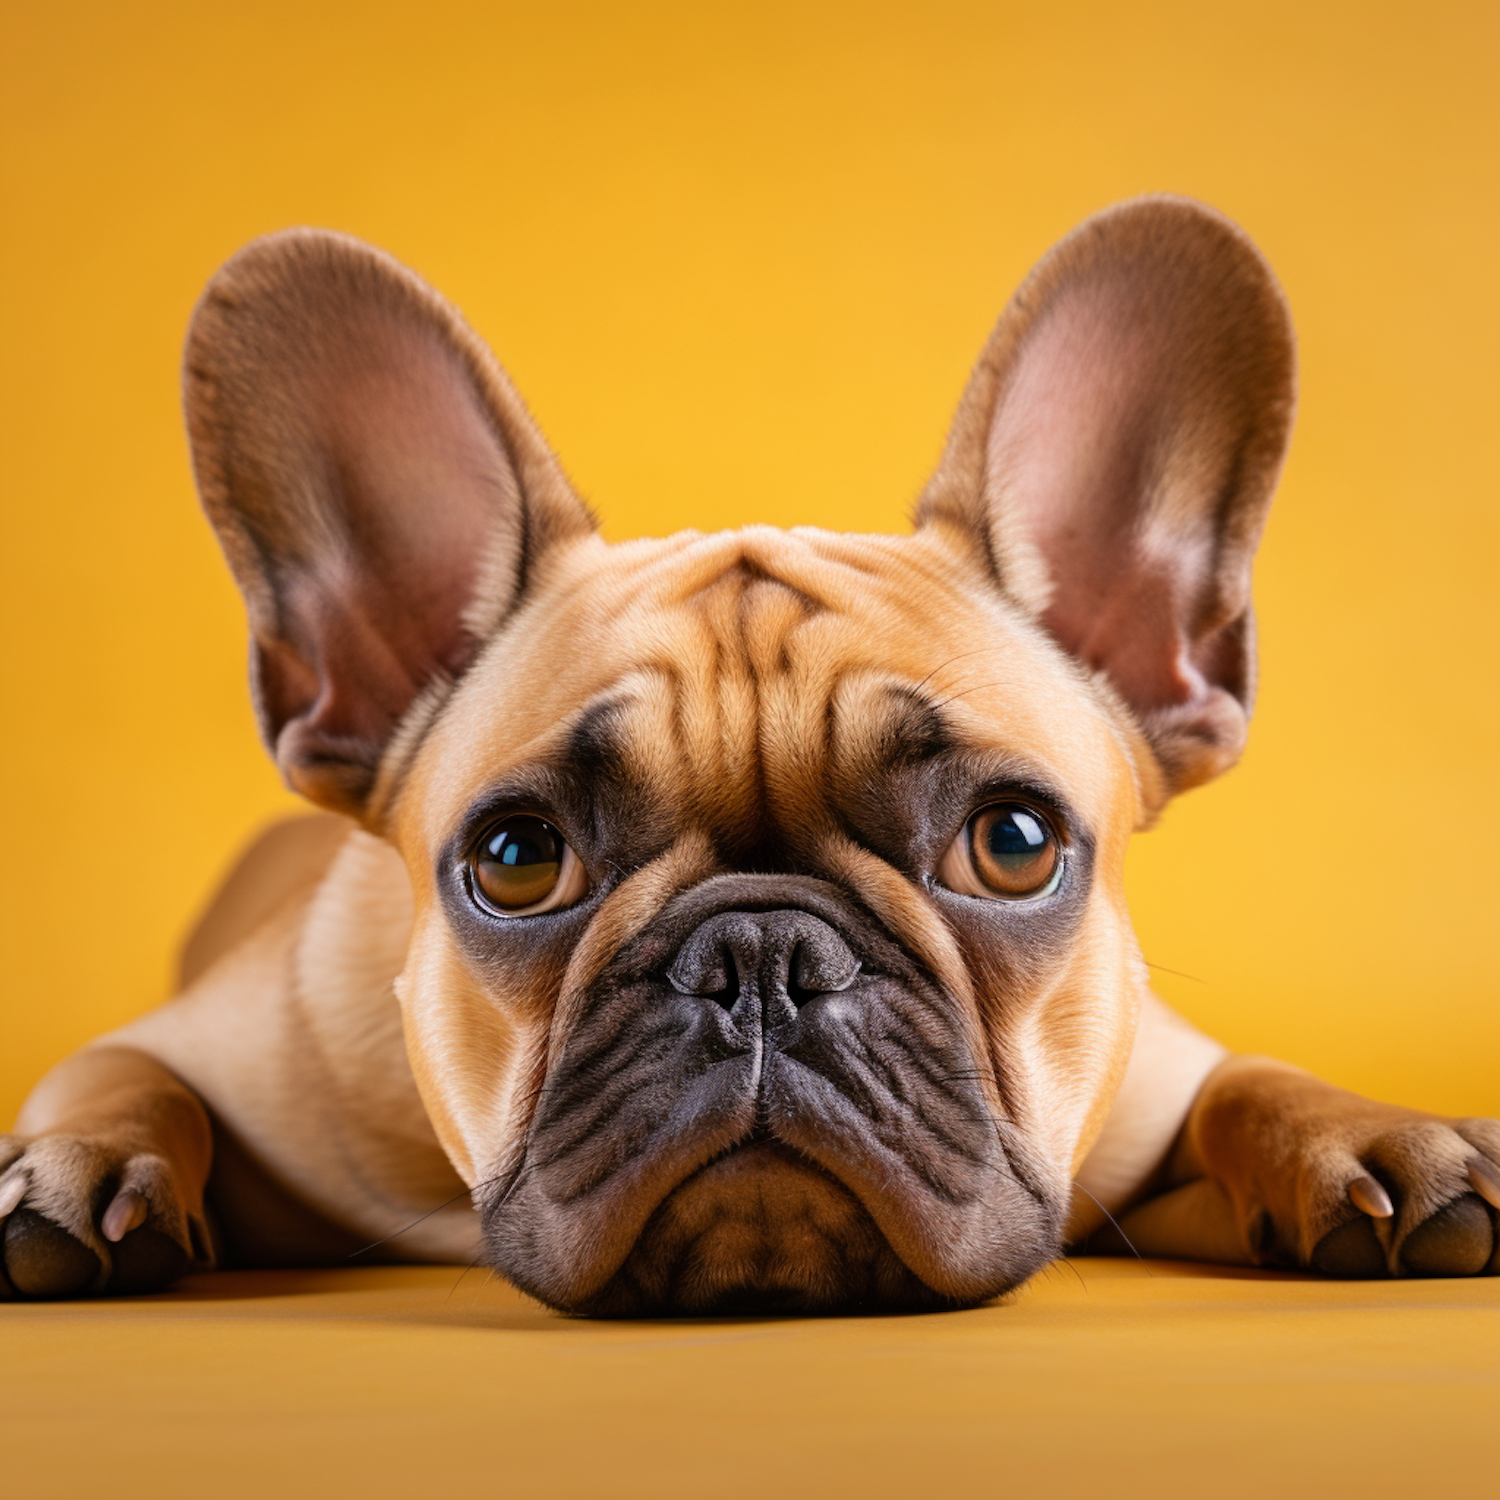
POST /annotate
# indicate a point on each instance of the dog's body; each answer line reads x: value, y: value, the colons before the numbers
x: 738, y: 919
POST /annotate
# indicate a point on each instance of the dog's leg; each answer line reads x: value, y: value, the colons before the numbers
x: 1311, y: 1176
x: 1274, y: 1167
x: 101, y: 1186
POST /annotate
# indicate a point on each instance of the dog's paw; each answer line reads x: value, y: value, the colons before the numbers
x: 1419, y: 1197
x: 1323, y: 1180
x: 83, y: 1216
x: 1320, y: 1179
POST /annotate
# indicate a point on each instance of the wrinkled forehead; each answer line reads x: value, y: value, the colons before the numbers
x: 754, y: 665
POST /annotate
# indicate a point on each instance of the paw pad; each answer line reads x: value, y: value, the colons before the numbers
x: 1456, y: 1241
x: 80, y: 1217
x: 1352, y: 1252
x: 43, y: 1260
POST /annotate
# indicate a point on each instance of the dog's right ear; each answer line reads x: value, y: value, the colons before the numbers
x: 378, y: 487
x: 1114, y: 456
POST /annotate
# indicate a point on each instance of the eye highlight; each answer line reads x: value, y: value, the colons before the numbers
x: 522, y: 866
x: 1008, y: 851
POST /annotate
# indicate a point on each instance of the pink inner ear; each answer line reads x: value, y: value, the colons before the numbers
x: 408, y: 491
x: 1083, y: 459
x: 424, y: 488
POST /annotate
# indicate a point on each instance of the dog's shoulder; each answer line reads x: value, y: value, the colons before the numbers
x: 287, y: 859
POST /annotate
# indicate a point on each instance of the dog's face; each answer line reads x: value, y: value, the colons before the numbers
x: 826, y: 966
x: 771, y: 946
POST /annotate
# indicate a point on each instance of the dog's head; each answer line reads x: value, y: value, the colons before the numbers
x: 771, y: 948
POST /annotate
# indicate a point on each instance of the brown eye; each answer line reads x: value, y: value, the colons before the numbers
x: 1008, y: 850
x: 524, y: 865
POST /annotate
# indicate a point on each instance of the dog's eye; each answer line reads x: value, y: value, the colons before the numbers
x: 1008, y: 850
x: 523, y: 865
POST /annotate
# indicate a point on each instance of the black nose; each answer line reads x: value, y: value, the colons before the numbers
x: 778, y: 956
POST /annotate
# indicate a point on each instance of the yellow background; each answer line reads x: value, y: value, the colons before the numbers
x: 739, y: 259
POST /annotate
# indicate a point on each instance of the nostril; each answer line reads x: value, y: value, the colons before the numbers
x: 726, y: 987
x: 799, y: 995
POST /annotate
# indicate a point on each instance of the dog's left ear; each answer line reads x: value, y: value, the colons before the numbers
x: 380, y: 491
x: 1114, y: 457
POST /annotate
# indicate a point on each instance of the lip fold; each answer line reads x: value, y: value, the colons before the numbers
x: 567, y: 1218
x: 891, y: 1231
x: 957, y: 1213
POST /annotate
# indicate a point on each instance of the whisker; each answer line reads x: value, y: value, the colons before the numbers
x: 1103, y: 1210
x: 461, y: 1276
x: 1062, y: 1260
x: 980, y: 651
x: 422, y: 1218
x: 987, y: 1075
x: 977, y: 688
x: 515, y: 1182
x: 1163, y: 969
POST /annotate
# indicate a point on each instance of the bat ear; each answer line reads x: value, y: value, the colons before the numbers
x: 1114, y: 456
x: 381, y: 494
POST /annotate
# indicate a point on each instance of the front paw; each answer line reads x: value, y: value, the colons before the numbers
x: 1323, y: 1180
x: 84, y: 1216
x: 1418, y: 1198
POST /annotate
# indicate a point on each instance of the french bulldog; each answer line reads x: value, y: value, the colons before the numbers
x: 726, y: 923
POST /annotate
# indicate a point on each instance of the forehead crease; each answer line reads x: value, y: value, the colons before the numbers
x: 834, y: 678
x: 744, y: 660
x: 738, y: 631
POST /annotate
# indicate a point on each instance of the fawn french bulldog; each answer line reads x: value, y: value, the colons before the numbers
x: 726, y: 922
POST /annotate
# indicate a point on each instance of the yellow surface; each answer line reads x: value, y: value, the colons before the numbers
x: 1102, y: 1378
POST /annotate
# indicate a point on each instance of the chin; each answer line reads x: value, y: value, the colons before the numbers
x: 761, y: 1230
